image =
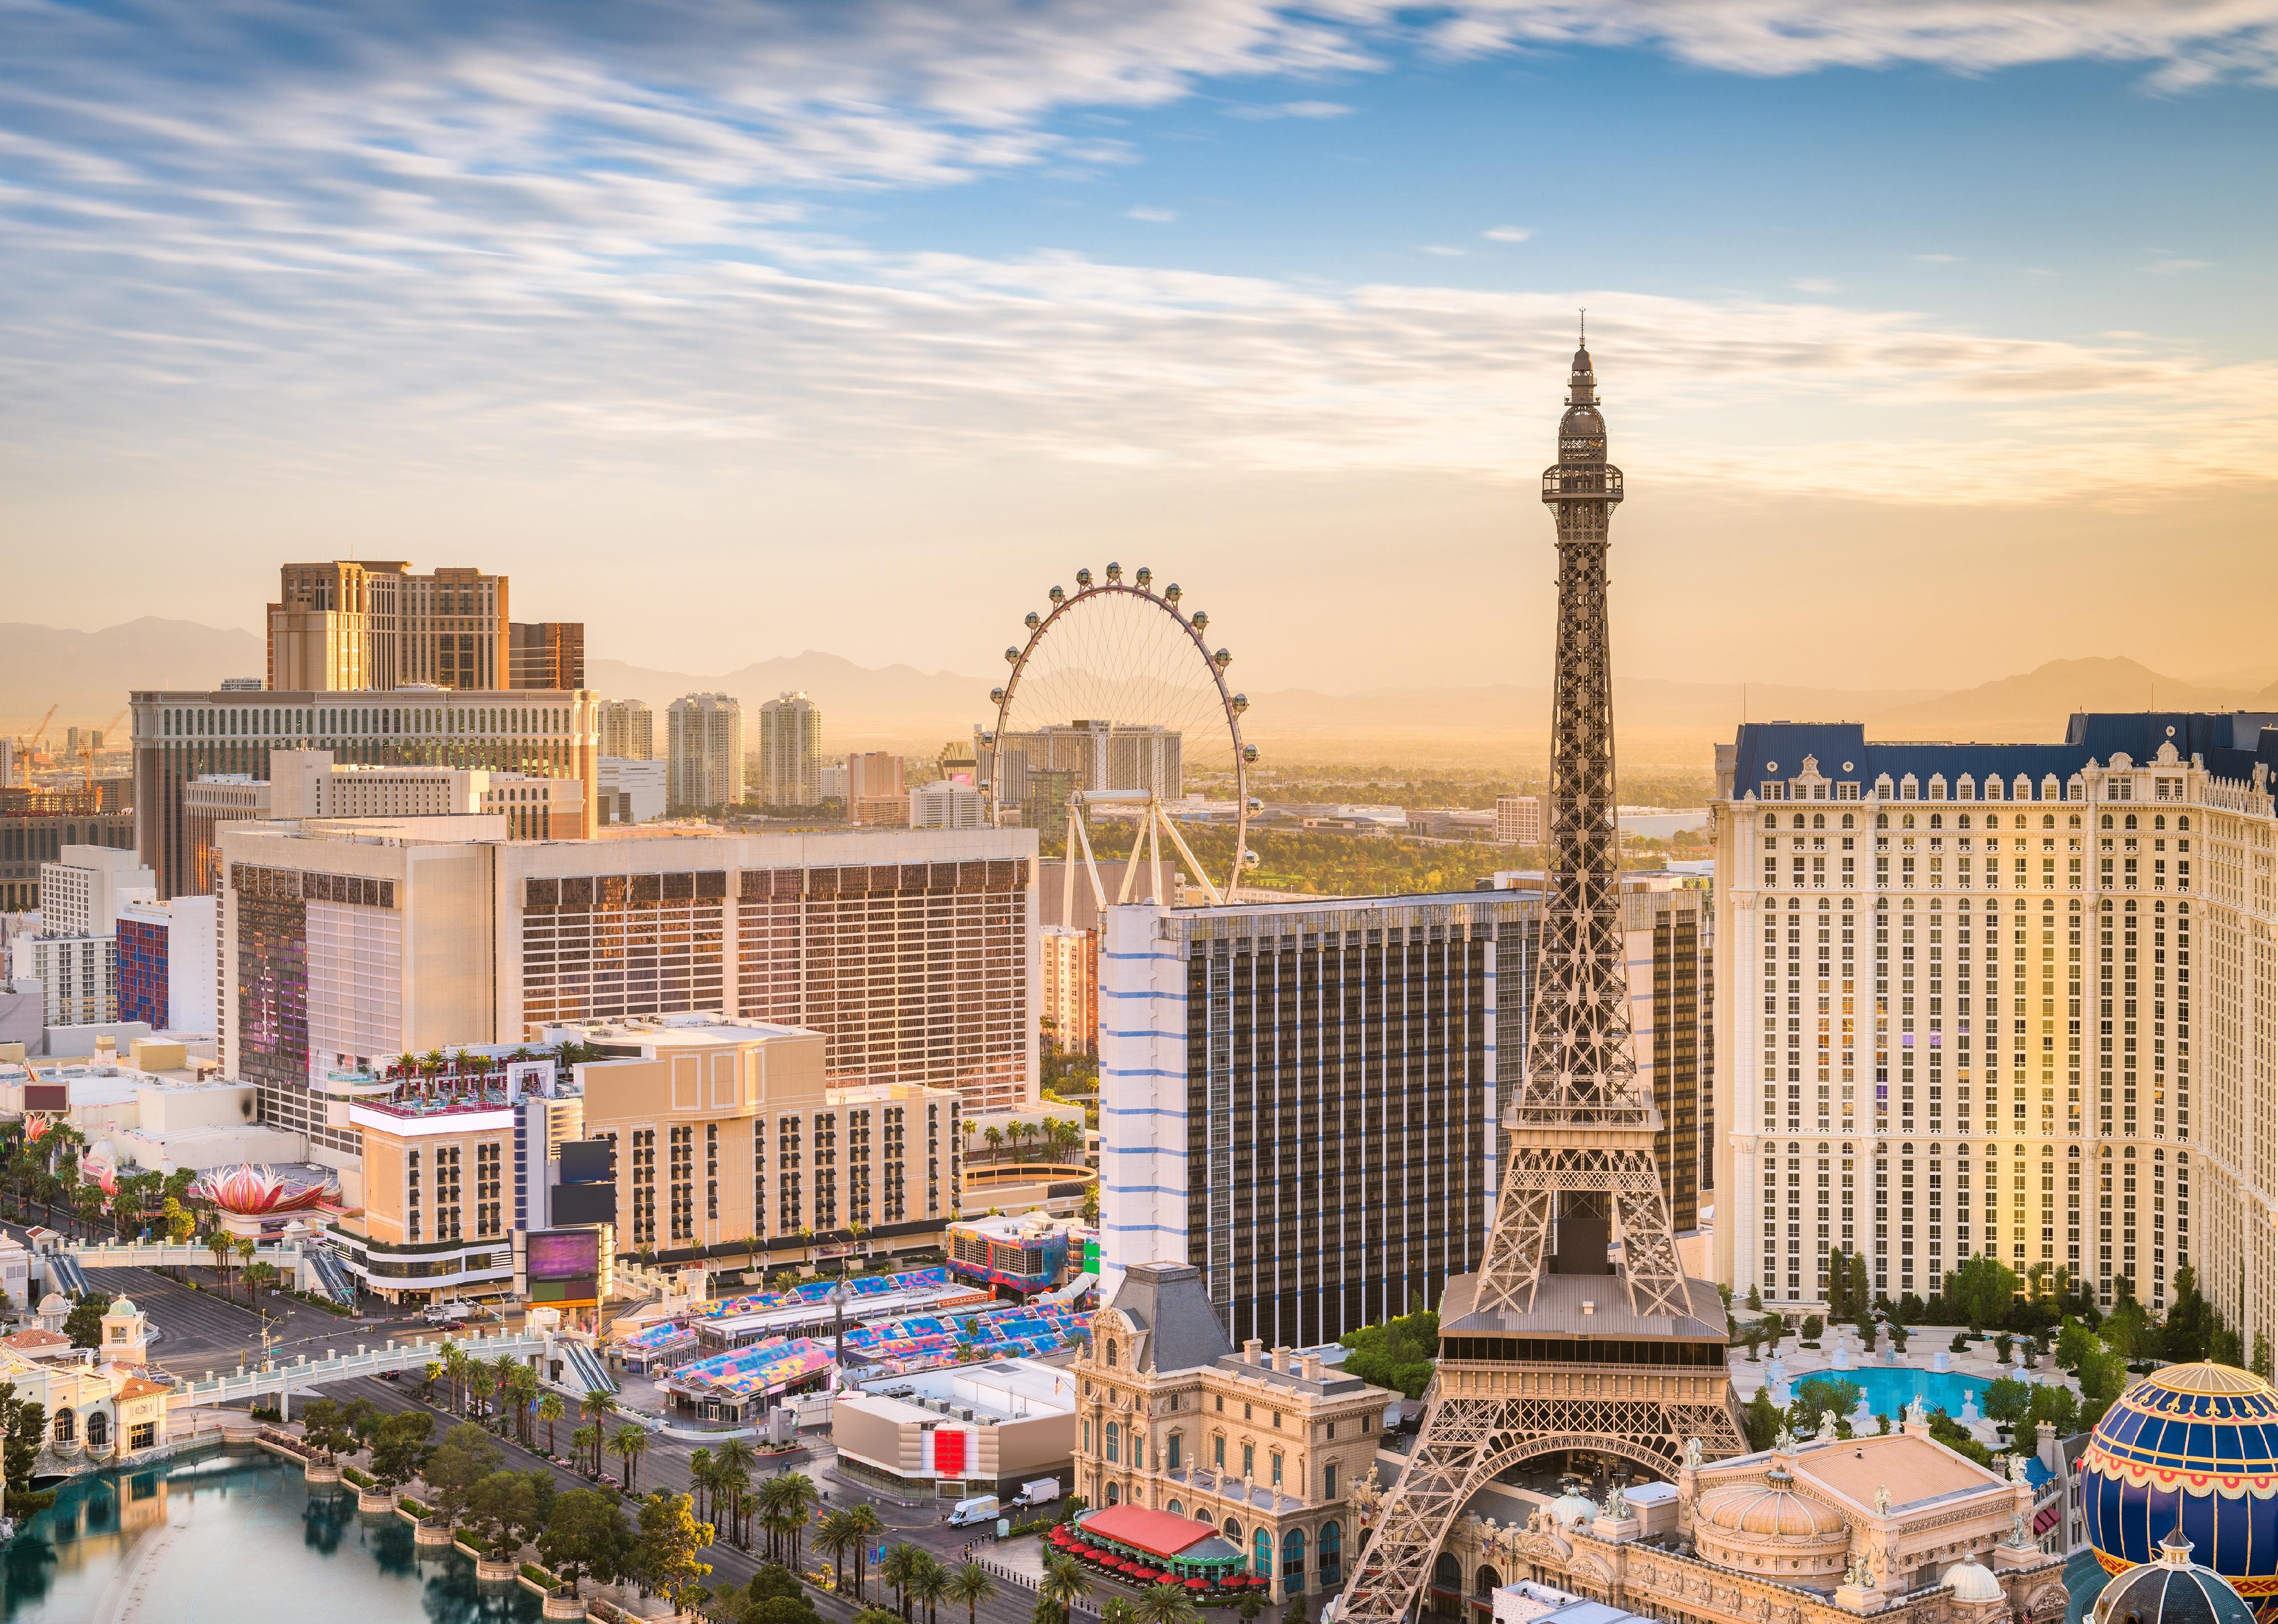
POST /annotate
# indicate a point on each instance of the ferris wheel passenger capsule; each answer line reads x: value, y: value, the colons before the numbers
x: 1083, y: 577
x: 989, y: 741
x: 1011, y: 657
x: 1198, y: 620
x: 1249, y: 859
x: 1057, y: 596
x: 1145, y: 577
x: 1034, y: 621
x: 995, y: 696
x: 1170, y: 593
x: 1114, y: 572
x: 1241, y: 704
x: 1249, y: 755
x: 1256, y: 804
x: 1221, y: 660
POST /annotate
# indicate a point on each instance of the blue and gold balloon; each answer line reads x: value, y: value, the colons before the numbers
x: 2193, y: 1447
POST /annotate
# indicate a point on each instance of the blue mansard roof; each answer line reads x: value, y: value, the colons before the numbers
x: 2230, y: 745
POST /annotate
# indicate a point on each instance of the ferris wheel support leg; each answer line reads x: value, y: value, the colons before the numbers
x: 1155, y: 851
x: 1131, y: 867
x: 1202, y: 874
x: 1067, y: 874
x: 1090, y: 863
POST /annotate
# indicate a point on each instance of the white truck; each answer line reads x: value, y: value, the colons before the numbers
x: 1038, y: 1491
x: 981, y: 1508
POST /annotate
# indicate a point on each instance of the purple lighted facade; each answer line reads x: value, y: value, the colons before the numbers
x: 142, y: 971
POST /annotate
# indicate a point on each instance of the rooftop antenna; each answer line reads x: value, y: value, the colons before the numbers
x: 1585, y: 326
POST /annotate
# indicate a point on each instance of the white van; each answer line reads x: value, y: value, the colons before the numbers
x: 1038, y: 1491
x: 982, y: 1508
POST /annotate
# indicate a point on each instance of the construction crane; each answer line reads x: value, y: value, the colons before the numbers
x: 27, y: 743
x: 89, y: 741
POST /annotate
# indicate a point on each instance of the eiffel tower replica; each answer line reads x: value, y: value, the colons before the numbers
x: 1548, y: 1346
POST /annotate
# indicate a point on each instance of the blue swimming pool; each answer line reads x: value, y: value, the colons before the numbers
x: 1890, y: 1389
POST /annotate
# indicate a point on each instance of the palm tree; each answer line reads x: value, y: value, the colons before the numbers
x: 800, y: 1497
x: 587, y: 1440
x: 701, y: 1481
x: 1117, y: 1610
x: 218, y: 1244
x: 550, y: 1409
x: 244, y: 1248
x: 598, y: 1406
x: 929, y: 1585
x: 835, y: 1534
x: 432, y: 1372
x: 732, y: 1486
x: 503, y: 1371
x: 751, y: 1252
x: 255, y: 1275
x: 1065, y: 1583
x: 972, y: 1585
x: 521, y: 1388
x: 864, y: 1520
x: 995, y: 1138
x: 1165, y: 1604
x: 898, y: 1568
x: 629, y: 1442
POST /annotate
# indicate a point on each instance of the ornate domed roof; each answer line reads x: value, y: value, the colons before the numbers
x: 1569, y: 1509
x: 1971, y: 1581
x: 122, y: 1305
x: 1771, y: 1509
x: 2172, y: 1591
x: 2191, y: 1448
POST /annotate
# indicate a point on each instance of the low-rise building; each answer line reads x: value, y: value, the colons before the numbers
x: 1030, y: 1253
x: 634, y: 790
x: 958, y: 1431
x: 945, y: 804
x: 1267, y: 1446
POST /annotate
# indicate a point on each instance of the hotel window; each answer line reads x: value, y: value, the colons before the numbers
x: 1177, y: 1450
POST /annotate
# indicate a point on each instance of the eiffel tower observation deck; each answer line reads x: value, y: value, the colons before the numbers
x: 1552, y: 1345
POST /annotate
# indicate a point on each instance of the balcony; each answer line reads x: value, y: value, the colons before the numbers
x: 1585, y: 482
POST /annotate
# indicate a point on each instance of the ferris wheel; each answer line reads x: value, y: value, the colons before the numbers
x: 1116, y: 706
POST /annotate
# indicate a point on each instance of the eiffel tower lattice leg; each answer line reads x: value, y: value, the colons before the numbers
x: 1464, y: 1442
x: 1518, y: 1245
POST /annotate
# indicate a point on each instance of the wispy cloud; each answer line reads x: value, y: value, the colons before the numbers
x: 1936, y: 259
x: 1445, y: 250
x: 2169, y: 267
x: 1152, y: 214
x: 1288, y: 110
x: 1812, y: 285
x: 1508, y: 233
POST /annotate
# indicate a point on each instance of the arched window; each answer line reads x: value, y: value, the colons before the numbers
x: 1114, y: 1435
x: 1331, y: 1557
x: 1819, y: 820
x: 1847, y: 821
x: 1175, y: 1509
x: 98, y: 1431
x: 1110, y: 1355
x: 1233, y: 1531
x: 1798, y: 820
x: 1114, y: 1494
x: 1293, y: 1562
x: 1486, y: 1581
x: 1447, y: 1574
x: 66, y: 1427
x: 1261, y: 1553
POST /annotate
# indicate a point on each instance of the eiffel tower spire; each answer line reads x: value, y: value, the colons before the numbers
x: 1637, y: 1380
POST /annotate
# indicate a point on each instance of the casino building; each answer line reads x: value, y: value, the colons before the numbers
x: 2004, y: 999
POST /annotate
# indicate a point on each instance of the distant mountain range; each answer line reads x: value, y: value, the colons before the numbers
x: 88, y: 675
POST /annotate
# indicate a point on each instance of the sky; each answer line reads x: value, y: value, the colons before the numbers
x: 1936, y: 338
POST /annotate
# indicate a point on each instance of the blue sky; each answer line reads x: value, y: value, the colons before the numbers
x: 799, y: 300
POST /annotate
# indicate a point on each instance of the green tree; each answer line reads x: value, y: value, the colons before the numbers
x: 1818, y: 1395
x: 399, y: 1447
x: 629, y: 1442
x: 2262, y: 1355
x: 498, y: 1507
x: 665, y: 1551
x: 972, y: 1585
x: 897, y: 1568
x: 1761, y: 1418
x: 863, y: 1522
x: 1812, y: 1328
x: 1166, y: 1604
x: 1064, y: 1584
x: 834, y: 1534
x: 929, y: 1585
x: 25, y: 1422
x: 2075, y: 1342
x: 2007, y: 1398
x: 587, y: 1536
x: 258, y: 1277
x: 2127, y: 1328
x: 1396, y: 1354
x: 2191, y: 1329
x: 585, y: 1448
x: 325, y: 1428
x: 464, y: 1459
x: 84, y: 1323
x: 1981, y: 1290
x: 775, y: 1596
x: 1947, y: 1430
x: 551, y: 1409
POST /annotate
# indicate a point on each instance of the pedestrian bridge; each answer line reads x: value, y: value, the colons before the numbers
x: 281, y: 1380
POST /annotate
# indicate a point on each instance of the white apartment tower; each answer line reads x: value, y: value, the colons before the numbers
x: 2018, y: 1000
x: 628, y: 729
x: 705, y: 750
x: 790, y: 751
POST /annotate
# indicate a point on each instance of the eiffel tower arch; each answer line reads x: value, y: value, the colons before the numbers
x: 1549, y: 1347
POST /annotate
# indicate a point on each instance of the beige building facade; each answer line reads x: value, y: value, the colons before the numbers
x: 2013, y: 999
x: 1264, y: 1446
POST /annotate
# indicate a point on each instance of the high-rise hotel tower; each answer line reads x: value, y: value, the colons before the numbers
x: 2017, y: 999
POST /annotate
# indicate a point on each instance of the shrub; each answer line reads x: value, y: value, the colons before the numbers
x: 362, y: 1480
